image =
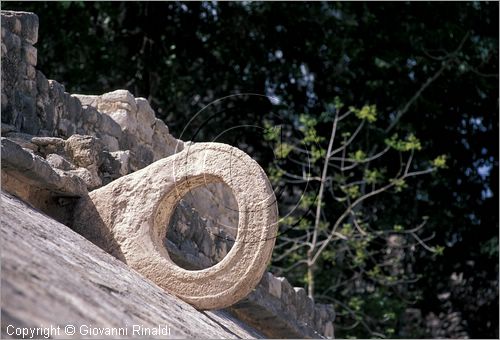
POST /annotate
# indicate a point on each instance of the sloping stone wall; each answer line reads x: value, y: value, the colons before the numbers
x: 99, y: 291
x: 56, y: 147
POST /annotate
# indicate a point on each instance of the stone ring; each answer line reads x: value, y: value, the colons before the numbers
x: 134, y: 211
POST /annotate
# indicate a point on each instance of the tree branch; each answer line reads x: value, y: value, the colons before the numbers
x: 429, y: 81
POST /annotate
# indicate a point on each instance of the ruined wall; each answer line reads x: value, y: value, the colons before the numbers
x: 56, y: 147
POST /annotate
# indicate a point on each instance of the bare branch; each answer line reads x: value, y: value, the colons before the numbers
x: 429, y: 81
x: 422, y: 243
x: 291, y: 250
x: 357, y: 224
x: 345, y: 115
x: 358, y: 201
x: 349, y: 141
x: 356, y: 162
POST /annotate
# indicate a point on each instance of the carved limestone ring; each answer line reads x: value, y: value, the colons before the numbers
x: 136, y: 210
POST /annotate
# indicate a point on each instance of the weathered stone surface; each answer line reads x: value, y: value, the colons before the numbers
x: 88, y: 100
x: 7, y: 127
x: 136, y: 210
x: 24, y: 24
x: 91, y: 179
x: 145, y: 119
x: 22, y: 139
x: 47, y: 267
x: 264, y: 312
x: 49, y: 145
x: 35, y: 171
x: 120, y: 105
x: 84, y: 151
x: 328, y: 330
x: 120, y: 96
x: 274, y: 286
x: 59, y: 162
x: 30, y: 55
x: 18, y: 57
x: 122, y: 158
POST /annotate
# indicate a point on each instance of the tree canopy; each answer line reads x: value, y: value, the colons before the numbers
x: 424, y: 74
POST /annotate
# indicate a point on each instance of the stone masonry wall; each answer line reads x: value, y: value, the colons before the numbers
x: 56, y: 147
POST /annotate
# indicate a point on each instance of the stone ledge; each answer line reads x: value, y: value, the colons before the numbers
x: 35, y: 171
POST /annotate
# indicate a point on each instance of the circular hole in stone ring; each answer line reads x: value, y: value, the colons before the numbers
x: 203, y: 227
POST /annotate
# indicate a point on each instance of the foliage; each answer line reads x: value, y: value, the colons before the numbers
x: 422, y: 81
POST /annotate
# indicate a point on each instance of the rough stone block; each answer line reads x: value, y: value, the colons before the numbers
x: 6, y: 128
x: 84, y: 151
x: 89, y: 100
x: 59, y: 162
x: 124, y: 119
x: 122, y: 158
x: 42, y: 83
x: 13, y: 156
x: 109, y: 126
x: 142, y: 156
x: 57, y: 89
x: 288, y: 296
x: 11, y: 22
x: 23, y: 139
x: 264, y: 282
x: 110, y: 143
x: 65, y: 128
x: 122, y: 96
x: 91, y: 179
x: 274, y: 286
x: 29, y: 23
x: 144, y: 112
x: 29, y: 54
x: 15, y: 44
x: 328, y: 331
x: 5, y: 101
x: 44, y: 141
x: 72, y: 108
x: 36, y: 171
x: 160, y: 127
x: 308, y: 315
x: 30, y: 85
x: 30, y: 122
x: 301, y: 297
x: 31, y: 73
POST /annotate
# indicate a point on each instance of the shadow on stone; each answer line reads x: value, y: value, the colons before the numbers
x: 88, y: 223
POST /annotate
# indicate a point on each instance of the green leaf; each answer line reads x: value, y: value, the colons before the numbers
x: 367, y: 112
x: 439, y: 250
x: 338, y: 103
x: 307, y: 121
x: 271, y: 133
x: 440, y: 162
x: 352, y: 191
x: 372, y: 176
x: 399, y: 184
x: 410, y: 143
x: 317, y: 153
x: 358, y: 156
x: 282, y: 150
x: 398, y: 228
